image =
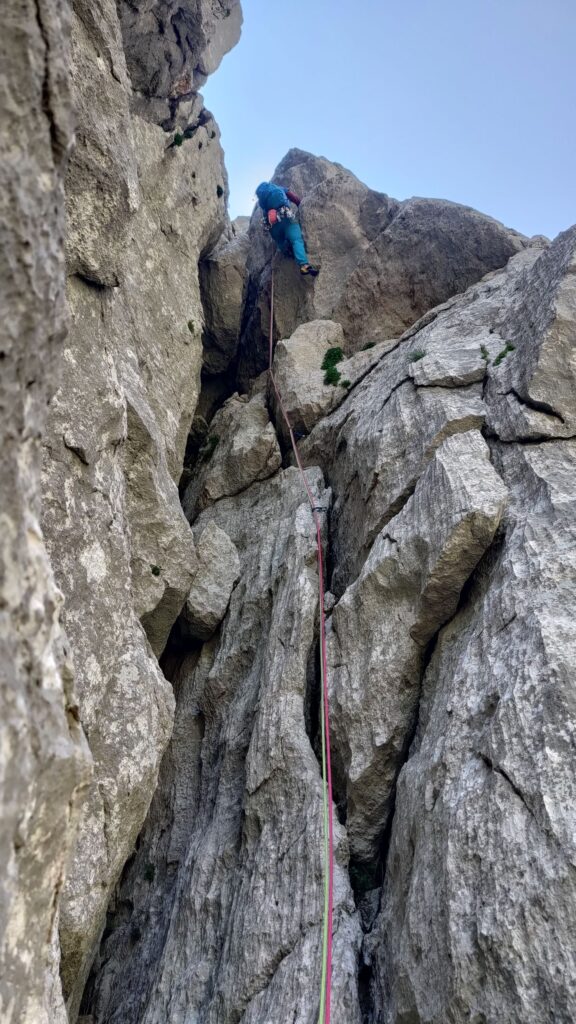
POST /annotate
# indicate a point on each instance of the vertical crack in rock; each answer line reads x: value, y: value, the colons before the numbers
x: 409, y: 585
x: 59, y: 141
x: 258, y: 802
x: 368, y: 878
x: 313, y: 697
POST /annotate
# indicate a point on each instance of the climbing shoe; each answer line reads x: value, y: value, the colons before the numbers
x: 308, y: 269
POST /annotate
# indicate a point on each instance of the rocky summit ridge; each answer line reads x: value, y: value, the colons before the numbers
x: 160, y: 793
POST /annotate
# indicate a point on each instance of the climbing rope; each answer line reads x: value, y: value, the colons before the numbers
x: 326, y: 976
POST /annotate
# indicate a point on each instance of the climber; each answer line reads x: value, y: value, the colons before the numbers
x: 280, y: 220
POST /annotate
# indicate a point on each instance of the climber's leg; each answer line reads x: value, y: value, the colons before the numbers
x: 279, y: 234
x: 294, y: 236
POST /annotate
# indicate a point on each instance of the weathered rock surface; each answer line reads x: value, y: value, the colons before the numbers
x: 171, y: 48
x: 44, y: 762
x: 446, y: 624
x: 233, y: 852
x: 242, y: 448
x: 102, y: 187
x: 223, y: 279
x: 408, y: 587
x: 478, y: 908
x: 375, y: 445
x: 218, y: 570
x: 533, y: 389
x: 126, y: 704
x: 383, y: 263
x: 141, y: 216
x: 300, y: 378
x: 452, y: 629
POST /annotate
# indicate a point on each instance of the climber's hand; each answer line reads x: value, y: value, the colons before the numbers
x: 272, y: 217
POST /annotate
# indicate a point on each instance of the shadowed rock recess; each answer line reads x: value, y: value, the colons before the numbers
x: 160, y: 786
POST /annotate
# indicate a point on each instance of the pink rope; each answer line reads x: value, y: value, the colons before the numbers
x: 323, y: 654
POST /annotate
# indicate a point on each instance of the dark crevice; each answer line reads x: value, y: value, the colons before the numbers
x: 88, y: 279
x: 312, y: 697
x: 366, y: 878
x: 365, y: 990
x: 76, y: 450
x: 500, y: 771
x: 146, y: 890
x: 312, y: 711
x: 215, y: 390
x: 405, y: 380
x: 491, y: 435
x: 531, y: 403
x: 389, y: 537
x: 57, y: 142
x: 178, y: 647
x: 451, y: 387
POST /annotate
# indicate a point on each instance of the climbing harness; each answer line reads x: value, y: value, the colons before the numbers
x: 326, y: 978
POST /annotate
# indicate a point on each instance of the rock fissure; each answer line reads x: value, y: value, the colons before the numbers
x: 530, y: 403
x: 57, y: 143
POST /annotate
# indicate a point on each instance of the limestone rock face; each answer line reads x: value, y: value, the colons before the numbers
x: 532, y: 386
x: 300, y: 378
x: 141, y: 217
x: 160, y: 775
x: 383, y: 263
x: 171, y: 48
x: 409, y: 586
x: 431, y: 250
x: 242, y: 448
x: 44, y: 761
x: 223, y: 277
x: 450, y: 642
x: 240, y: 862
x: 375, y: 445
x: 218, y: 570
x: 478, y: 906
x: 102, y: 187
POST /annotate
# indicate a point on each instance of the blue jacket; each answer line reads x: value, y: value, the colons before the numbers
x: 271, y: 197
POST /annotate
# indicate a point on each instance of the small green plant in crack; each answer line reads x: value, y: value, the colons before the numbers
x: 155, y: 570
x: 332, y: 376
x: 417, y: 354
x: 191, y: 327
x: 485, y: 354
x: 209, y: 448
x: 502, y: 355
x: 332, y: 357
x: 346, y: 384
x: 369, y: 344
x: 149, y: 872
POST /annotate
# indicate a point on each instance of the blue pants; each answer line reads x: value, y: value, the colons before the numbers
x: 288, y: 233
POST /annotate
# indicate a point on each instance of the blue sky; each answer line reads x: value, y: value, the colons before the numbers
x: 473, y: 101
